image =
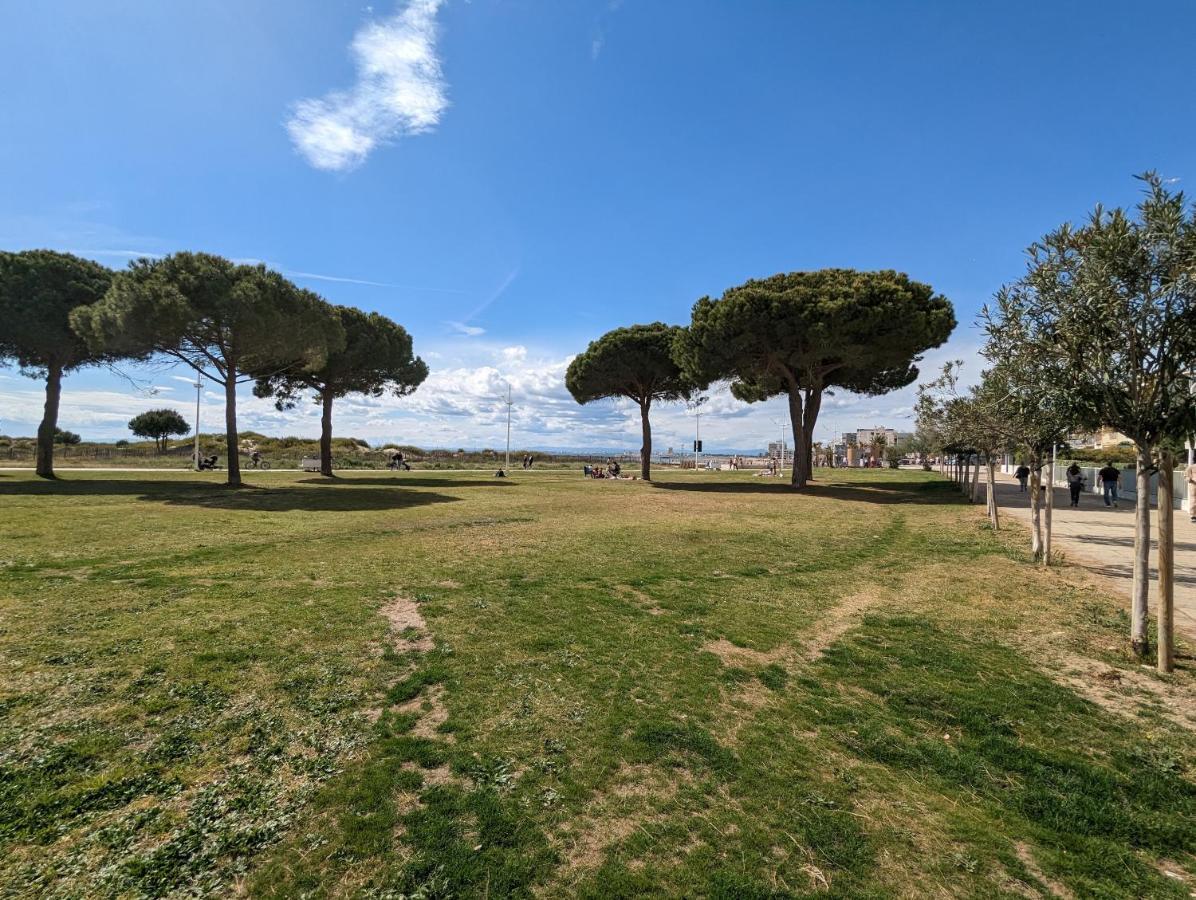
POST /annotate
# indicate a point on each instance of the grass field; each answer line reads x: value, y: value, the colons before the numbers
x: 446, y: 685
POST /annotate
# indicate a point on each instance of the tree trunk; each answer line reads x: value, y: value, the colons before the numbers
x: 646, y: 448
x: 232, y: 442
x: 1166, y: 562
x: 976, y: 480
x: 994, y: 515
x: 326, y: 435
x: 1139, y: 610
x: 1050, y: 509
x: 45, y: 431
x: 809, y: 420
x: 1035, y: 507
x: 800, y: 475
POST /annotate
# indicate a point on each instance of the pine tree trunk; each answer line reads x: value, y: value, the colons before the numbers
x: 646, y: 448
x: 976, y: 480
x: 1139, y: 602
x: 1050, y: 510
x: 326, y: 435
x: 1166, y: 562
x: 232, y: 442
x: 799, y: 475
x: 45, y: 431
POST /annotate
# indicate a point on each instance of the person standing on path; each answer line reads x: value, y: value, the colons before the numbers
x: 1109, y: 478
x: 1022, y: 473
x: 1190, y: 479
x: 1075, y: 484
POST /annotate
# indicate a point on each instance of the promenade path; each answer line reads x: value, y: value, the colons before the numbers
x: 1101, y: 540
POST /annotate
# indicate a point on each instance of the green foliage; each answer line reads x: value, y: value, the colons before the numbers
x: 159, y: 425
x: 862, y: 331
x: 634, y: 362
x: 1109, y: 306
x: 376, y: 358
x: 38, y: 291
x: 67, y: 438
x: 214, y: 314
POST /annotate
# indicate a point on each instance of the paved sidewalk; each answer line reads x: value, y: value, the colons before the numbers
x: 1101, y: 540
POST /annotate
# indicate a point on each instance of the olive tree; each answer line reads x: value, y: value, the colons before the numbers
x: 376, y: 359
x: 635, y: 363
x: 38, y: 291
x: 802, y: 333
x: 1113, y: 303
x: 230, y: 322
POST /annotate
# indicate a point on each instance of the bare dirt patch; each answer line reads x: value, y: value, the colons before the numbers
x: 840, y: 619
x: 733, y: 655
x: 408, y: 630
x: 1056, y: 889
x: 1127, y: 692
x: 632, y: 801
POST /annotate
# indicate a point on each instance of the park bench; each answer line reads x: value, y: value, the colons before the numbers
x: 310, y: 464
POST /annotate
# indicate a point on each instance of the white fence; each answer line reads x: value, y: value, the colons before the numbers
x: 1127, y: 486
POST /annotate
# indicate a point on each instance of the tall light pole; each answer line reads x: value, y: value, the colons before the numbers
x: 507, y: 466
x: 783, y: 425
x: 198, y: 388
x: 696, y: 406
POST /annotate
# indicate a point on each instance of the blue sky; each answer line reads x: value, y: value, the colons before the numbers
x: 511, y: 178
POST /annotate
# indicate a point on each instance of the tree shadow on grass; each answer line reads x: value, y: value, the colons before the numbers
x: 401, y: 481
x: 880, y: 492
x: 288, y: 498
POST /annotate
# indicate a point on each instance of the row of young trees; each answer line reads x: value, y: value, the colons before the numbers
x: 798, y: 335
x: 232, y: 323
x: 1100, y: 331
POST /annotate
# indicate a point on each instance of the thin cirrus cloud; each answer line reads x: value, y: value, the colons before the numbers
x: 400, y: 91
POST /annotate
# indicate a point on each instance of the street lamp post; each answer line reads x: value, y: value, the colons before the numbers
x: 198, y: 389
x: 507, y: 467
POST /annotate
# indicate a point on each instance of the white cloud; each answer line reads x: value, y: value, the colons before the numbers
x: 462, y: 405
x: 400, y: 91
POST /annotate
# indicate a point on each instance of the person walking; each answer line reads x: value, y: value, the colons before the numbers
x: 1021, y: 474
x: 1109, y: 477
x: 1190, y: 480
x: 1075, y: 484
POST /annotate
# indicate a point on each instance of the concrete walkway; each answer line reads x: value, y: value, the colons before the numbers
x: 1101, y: 540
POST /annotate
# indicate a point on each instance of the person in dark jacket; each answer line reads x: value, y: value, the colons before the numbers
x: 1109, y: 478
x: 1021, y: 474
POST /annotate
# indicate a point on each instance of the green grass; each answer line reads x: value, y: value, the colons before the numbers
x: 703, y: 687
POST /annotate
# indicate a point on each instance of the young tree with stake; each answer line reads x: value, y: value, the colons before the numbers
x: 38, y: 291
x: 376, y: 359
x: 1113, y: 302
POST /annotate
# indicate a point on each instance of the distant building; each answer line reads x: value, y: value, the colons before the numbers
x: 865, y: 436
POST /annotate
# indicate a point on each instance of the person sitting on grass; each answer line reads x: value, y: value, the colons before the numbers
x: 615, y: 469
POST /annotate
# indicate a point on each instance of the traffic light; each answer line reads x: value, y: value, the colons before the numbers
x: 697, y: 446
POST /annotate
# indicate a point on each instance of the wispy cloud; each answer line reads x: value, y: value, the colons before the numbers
x: 400, y: 91
x: 467, y: 330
